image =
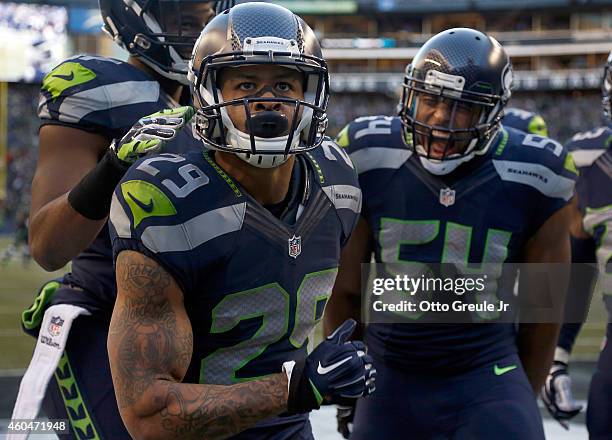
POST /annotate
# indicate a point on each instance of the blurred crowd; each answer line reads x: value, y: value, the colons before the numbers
x: 565, y: 114
x: 38, y: 40
x: 22, y: 142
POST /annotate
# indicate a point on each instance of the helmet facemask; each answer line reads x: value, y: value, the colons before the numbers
x: 445, y: 124
x: 270, y: 136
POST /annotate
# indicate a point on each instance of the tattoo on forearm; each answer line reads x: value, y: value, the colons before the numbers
x: 151, y: 350
x: 217, y: 412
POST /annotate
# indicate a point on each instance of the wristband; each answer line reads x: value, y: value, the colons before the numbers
x: 301, y: 397
x: 561, y: 356
x: 92, y: 196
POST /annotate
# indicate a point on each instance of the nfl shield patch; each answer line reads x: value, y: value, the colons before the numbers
x: 295, y: 246
x: 447, y: 197
x: 55, y: 326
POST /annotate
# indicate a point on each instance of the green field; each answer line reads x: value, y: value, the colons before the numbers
x: 18, y: 286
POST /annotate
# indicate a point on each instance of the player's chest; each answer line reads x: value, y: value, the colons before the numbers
x: 434, y: 222
x: 268, y: 252
x: 266, y: 295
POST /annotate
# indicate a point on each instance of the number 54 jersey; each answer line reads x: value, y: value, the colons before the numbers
x: 484, y: 212
x: 254, y: 285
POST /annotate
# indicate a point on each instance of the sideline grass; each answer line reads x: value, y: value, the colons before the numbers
x: 18, y: 286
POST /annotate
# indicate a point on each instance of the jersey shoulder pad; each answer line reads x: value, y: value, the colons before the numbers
x: 587, y: 146
x: 96, y: 94
x: 336, y: 175
x: 537, y: 161
x: 525, y: 120
x: 332, y: 163
x: 374, y: 142
x: 338, y: 180
x: 173, y: 203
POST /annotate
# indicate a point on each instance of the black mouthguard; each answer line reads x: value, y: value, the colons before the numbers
x: 269, y: 124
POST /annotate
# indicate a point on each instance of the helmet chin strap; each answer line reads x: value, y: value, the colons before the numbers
x: 179, y: 64
x: 443, y: 167
x: 241, y: 140
x: 174, y: 76
x: 263, y: 160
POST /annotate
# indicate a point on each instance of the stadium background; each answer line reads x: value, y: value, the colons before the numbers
x: 558, y: 48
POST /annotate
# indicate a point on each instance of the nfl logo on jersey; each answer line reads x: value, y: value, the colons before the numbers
x: 55, y: 326
x: 447, y: 197
x: 295, y: 246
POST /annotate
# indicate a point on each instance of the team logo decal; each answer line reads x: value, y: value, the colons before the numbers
x: 295, y: 246
x: 447, y: 197
x: 55, y: 327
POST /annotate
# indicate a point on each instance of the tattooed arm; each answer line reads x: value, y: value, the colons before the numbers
x: 150, y: 346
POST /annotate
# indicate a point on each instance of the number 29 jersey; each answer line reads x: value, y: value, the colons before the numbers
x: 254, y: 286
x: 484, y: 212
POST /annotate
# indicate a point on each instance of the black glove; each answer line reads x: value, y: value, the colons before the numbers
x: 336, y: 368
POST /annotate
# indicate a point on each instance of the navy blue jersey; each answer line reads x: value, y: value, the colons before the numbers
x: 524, y: 120
x: 484, y: 212
x: 593, y: 156
x: 103, y: 96
x: 254, y: 285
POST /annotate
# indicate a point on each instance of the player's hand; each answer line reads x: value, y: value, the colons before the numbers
x: 337, y: 368
x: 557, y: 394
x: 149, y: 134
x: 345, y: 413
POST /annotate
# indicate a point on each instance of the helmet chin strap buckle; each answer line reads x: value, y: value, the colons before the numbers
x: 141, y: 41
x: 263, y: 160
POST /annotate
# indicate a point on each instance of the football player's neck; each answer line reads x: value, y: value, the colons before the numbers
x: 172, y: 88
x: 266, y: 185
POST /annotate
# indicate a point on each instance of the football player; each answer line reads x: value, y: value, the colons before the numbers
x: 445, y: 183
x: 557, y: 392
x: 591, y: 243
x: 225, y: 258
x: 524, y: 120
x: 85, y: 102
